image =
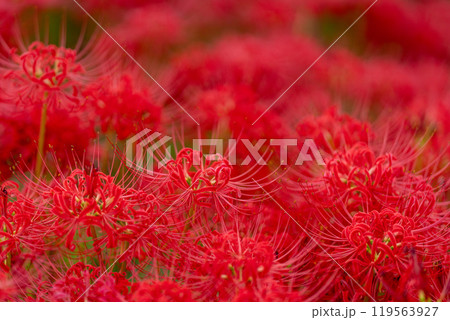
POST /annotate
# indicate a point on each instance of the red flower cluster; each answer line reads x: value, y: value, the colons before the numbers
x: 80, y: 222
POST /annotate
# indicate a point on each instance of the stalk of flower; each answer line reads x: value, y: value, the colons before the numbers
x: 48, y: 79
x: 41, y: 140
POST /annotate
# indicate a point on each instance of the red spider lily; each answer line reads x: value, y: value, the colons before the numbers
x: 45, y: 75
x: 160, y: 291
x: 398, y: 216
x: 121, y: 107
x: 85, y: 283
x: 97, y: 218
x: 195, y: 181
x: 414, y: 284
x: 380, y: 241
x: 87, y: 200
x: 357, y: 178
x: 226, y: 266
x: 333, y: 131
x: 147, y: 236
x: 162, y: 27
x: 228, y: 263
x: 22, y: 226
x: 44, y: 79
x: 235, y: 107
x: 376, y: 250
x: 7, y: 288
x: 213, y: 176
x: 244, y: 61
x: 19, y: 130
x: 205, y: 187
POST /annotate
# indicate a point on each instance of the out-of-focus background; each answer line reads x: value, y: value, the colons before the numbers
x: 226, y: 62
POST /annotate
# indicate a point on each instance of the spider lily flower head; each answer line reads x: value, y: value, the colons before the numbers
x: 419, y: 283
x: 50, y: 75
x: 226, y: 262
x: 384, y: 244
x: 45, y: 74
x: 204, y: 184
x: 86, y: 199
x: 230, y: 267
x: 43, y: 85
x: 333, y: 131
x: 247, y: 263
x: 372, y: 213
x: 380, y: 236
x: 203, y: 187
x: 97, y: 215
x: 361, y: 180
x: 210, y: 175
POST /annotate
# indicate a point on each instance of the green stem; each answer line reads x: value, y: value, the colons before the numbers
x: 8, y: 260
x: 97, y: 250
x: 41, y: 140
x: 8, y: 255
x: 123, y: 248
